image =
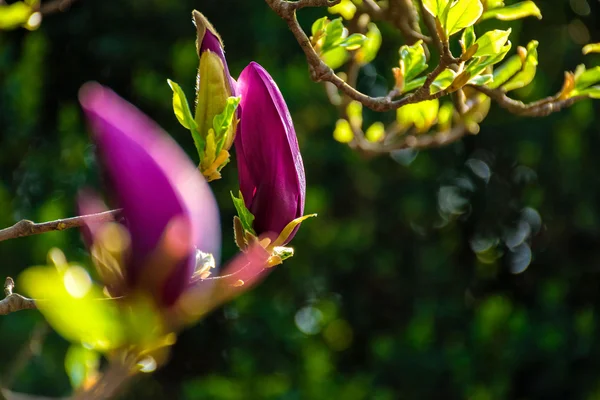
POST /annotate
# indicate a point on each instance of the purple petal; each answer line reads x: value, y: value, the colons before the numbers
x: 153, y: 181
x: 269, y: 162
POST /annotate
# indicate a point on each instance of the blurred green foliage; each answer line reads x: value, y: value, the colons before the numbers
x: 413, y: 283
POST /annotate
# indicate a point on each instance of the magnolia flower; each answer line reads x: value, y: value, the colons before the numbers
x: 169, y: 210
x: 271, y: 172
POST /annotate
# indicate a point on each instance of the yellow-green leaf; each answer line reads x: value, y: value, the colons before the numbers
x: 245, y: 216
x: 587, y: 78
x: 420, y: 115
x: 443, y: 80
x: 181, y: 106
x: 287, y: 231
x: 514, y: 11
x: 462, y: 14
x: 335, y: 57
x: 468, y: 37
x: 343, y: 132
x: 74, y: 306
x: 414, y: 60
x: 435, y: 7
x: 505, y: 71
x: 14, y: 15
x: 81, y: 365
x: 345, y: 8
x: 591, y: 48
x: 376, y: 132
x: 527, y: 73
x: 491, y: 43
x: 368, y: 50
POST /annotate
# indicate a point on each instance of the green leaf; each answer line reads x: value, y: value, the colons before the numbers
x: 491, y: 43
x: 462, y: 14
x: 181, y: 106
x: 489, y: 4
x: 287, y: 231
x: 370, y: 47
x: 335, y: 58
x: 481, y: 79
x: 75, y: 307
x: 343, y: 131
x: 587, y: 78
x: 591, y: 48
x: 480, y: 64
x: 354, y: 41
x: 223, y: 122
x: 334, y: 32
x: 184, y: 116
x: 244, y: 214
x: 414, y: 60
x: 468, y: 37
x: 14, y: 15
x: 81, y: 365
x: 592, y: 92
x: 345, y: 8
x: 319, y: 25
x: 420, y: 115
x: 435, y: 7
x: 415, y: 83
x: 527, y: 73
x: 443, y: 80
x: 506, y: 71
x: 513, y: 12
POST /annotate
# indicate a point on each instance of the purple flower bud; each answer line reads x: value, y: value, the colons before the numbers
x: 270, y: 167
x: 168, y: 207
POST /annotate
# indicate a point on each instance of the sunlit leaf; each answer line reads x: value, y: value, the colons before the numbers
x: 591, y: 48
x: 587, y: 78
x: 343, y: 131
x: 592, y: 92
x: 181, y: 106
x: 491, y: 43
x: 223, y: 121
x: 345, y: 8
x: 505, y: 71
x: 335, y: 58
x: 435, y: 7
x: 480, y: 64
x: 489, y: 4
x: 81, y: 365
x: 370, y: 47
x: 414, y: 60
x: 462, y: 13
x: 443, y: 80
x: 420, y: 115
x: 527, y: 73
x: 514, y: 11
x: 468, y: 37
x: 14, y: 15
x: 319, y: 25
x: 481, y: 79
x: 245, y: 216
x: 334, y: 32
x: 354, y: 41
x: 376, y: 132
x: 412, y: 85
x: 75, y: 307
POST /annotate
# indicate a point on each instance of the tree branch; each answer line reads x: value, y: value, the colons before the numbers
x: 13, y: 301
x: 540, y: 108
x: 56, y: 6
x: 28, y: 228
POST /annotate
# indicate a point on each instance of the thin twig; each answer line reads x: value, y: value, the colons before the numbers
x: 28, y: 228
x: 540, y: 108
x: 56, y: 6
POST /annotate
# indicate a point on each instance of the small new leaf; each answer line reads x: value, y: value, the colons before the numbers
x: 513, y: 12
x: 491, y: 43
x: 527, y: 73
x: 414, y: 60
x: 223, y: 122
x: 181, y: 106
x: 370, y: 47
x: 591, y: 48
x: 245, y: 216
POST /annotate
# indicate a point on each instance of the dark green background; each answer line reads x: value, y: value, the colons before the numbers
x: 404, y: 306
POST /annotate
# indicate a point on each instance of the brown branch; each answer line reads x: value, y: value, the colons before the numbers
x: 540, y: 108
x: 320, y: 72
x: 13, y: 301
x: 28, y: 228
x: 56, y: 6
